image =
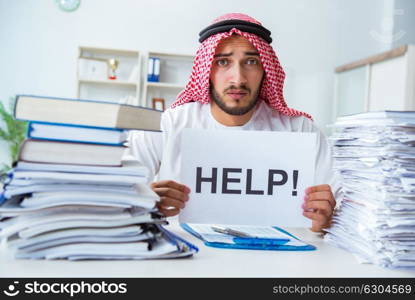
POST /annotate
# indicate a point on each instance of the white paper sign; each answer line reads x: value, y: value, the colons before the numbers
x: 247, y: 177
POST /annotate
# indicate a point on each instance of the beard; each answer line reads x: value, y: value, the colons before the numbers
x: 235, y: 111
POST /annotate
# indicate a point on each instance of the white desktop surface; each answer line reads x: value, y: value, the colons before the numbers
x: 326, y: 261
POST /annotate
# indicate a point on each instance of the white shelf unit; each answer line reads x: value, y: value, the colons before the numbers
x: 92, y: 75
x: 175, y: 70
x: 381, y: 82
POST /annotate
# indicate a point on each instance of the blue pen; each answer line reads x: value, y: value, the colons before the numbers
x: 231, y: 232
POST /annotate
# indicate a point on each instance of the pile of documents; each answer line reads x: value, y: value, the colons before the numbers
x: 83, y: 211
x: 375, y: 154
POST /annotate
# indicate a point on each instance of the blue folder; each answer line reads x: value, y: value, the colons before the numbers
x: 181, y: 243
x: 256, y: 243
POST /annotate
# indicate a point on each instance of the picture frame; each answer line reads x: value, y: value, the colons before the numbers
x: 159, y: 104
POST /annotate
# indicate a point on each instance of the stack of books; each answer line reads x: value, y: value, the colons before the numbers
x: 375, y: 154
x: 71, y: 196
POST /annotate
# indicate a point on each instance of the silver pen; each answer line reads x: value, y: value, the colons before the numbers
x: 232, y: 232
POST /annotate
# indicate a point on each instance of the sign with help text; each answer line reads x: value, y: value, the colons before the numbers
x: 247, y: 177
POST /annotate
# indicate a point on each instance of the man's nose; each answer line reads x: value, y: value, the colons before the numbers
x: 237, y: 76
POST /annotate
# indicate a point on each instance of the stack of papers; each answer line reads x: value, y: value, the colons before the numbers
x: 51, y: 211
x: 375, y: 154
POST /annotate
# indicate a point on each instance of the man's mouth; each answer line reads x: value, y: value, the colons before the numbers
x: 236, y: 94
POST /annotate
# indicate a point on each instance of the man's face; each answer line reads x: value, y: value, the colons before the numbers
x: 236, y: 75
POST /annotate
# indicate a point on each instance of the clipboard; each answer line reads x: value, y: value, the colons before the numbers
x: 284, y: 242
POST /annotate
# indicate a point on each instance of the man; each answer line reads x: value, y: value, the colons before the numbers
x: 236, y: 84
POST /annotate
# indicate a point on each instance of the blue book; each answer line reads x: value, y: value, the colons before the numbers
x: 82, y: 112
x: 254, y: 238
x: 76, y: 133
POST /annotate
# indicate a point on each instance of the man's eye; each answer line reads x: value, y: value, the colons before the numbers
x: 221, y: 62
x: 252, y: 61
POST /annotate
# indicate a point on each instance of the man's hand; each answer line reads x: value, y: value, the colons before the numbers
x: 173, y: 196
x: 318, y: 206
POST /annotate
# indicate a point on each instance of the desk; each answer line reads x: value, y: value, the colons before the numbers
x: 326, y: 261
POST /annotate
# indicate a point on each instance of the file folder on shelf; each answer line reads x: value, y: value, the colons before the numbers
x: 153, y: 73
x: 263, y: 238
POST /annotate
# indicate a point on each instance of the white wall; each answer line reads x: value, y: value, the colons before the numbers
x: 39, y: 42
x: 404, y: 22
